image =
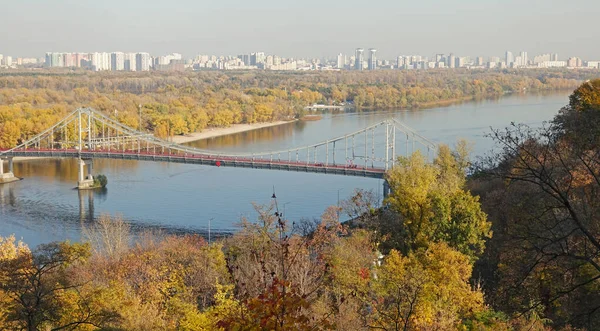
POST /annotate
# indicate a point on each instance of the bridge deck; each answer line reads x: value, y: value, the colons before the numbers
x: 222, y: 161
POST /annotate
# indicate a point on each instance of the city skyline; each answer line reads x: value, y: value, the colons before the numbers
x: 299, y: 29
x: 143, y: 61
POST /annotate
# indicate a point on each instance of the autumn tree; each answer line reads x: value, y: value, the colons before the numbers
x: 426, y: 290
x: 542, y: 188
x: 40, y: 291
x: 279, y: 274
x: 431, y: 204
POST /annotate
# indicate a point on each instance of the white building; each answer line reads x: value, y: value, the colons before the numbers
x: 509, y: 58
x: 341, y: 61
x: 130, y: 63
x: 143, y: 61
x: 100, y: 61
x: 593, y: 64
x: 552, y: 64
x: 524, y: 59
x: 117, y: 60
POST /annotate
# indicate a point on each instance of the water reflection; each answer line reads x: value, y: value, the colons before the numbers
x: 7, y: 195
x: 88, y: 214
x: 268, y: 134
x: 65, y: 169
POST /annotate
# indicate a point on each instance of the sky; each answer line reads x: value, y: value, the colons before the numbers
x: 301, y: 28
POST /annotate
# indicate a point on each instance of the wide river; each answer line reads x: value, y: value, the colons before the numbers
x: 44, y: 206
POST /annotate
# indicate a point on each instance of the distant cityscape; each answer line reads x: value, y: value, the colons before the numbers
x: 360, y: 60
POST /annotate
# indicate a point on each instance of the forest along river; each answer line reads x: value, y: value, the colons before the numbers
x: 179, y: 198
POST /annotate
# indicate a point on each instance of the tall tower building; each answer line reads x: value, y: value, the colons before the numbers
x: 400, y: 62
x: 524, y: 59
x: 372, y: 59
x: 142, y: 62
x: 358, y: 62
x: 452, y: 61
x: 117, y: 60
x: 509, y: 58
x: 341, y: 61
x: 130, y: 62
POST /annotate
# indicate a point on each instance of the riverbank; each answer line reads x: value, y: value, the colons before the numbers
x: 216, y: 132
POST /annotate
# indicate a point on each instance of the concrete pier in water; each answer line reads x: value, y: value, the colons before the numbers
x: 9, y: 176
x: 85, y: 182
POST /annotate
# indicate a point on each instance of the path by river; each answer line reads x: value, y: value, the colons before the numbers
x: 183, y: 198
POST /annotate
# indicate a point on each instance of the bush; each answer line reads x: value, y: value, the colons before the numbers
x: 100, y: 181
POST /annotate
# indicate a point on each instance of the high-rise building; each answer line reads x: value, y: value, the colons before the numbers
x: 400, y: 62
x: 524, y: 59
x: 574, y: 62
x: 518, y: 61
x: 142, y: 62
x: 341, y: 61
x: 452, y: 61
x: 257, y: 58
x: 130, y: 63
x: 555, y: 57
x: 79, y: 58
x: 57, y: 60
x: 509, y: 58
x: 372, y: 59
x: 359, y: 61
x: 479, y: 61
x: 117, y: 61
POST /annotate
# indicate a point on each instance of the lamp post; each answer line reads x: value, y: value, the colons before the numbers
x: 284, y: 207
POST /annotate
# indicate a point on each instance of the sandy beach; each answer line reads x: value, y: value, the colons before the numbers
x: 216, y: 132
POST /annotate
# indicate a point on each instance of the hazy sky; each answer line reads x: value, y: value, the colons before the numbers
x: 301, y: 28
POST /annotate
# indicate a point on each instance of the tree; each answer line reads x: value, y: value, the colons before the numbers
x: 108, y: 236
x: 428, y: 289
x: 547, y: 191
x: 9, y: 134
x: 100, y: 181
x: 586, y: 97
x: 279, y: 274
x: 432, y: 205
x: 542, y: 187
x: 42, y: 292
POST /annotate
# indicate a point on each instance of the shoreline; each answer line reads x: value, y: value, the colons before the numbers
x: 217, y: 132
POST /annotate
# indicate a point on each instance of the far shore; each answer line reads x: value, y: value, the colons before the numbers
x: 216, y: 132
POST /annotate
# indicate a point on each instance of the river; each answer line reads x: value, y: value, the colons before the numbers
x: 178, y: 198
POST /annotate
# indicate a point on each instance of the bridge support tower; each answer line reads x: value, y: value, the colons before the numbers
x: 9, y: 176
x: 85, y: 181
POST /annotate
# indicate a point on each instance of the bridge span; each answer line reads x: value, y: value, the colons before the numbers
x: 87, y: 134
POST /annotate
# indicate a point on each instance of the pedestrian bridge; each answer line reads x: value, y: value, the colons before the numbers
x: 87, y: 134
